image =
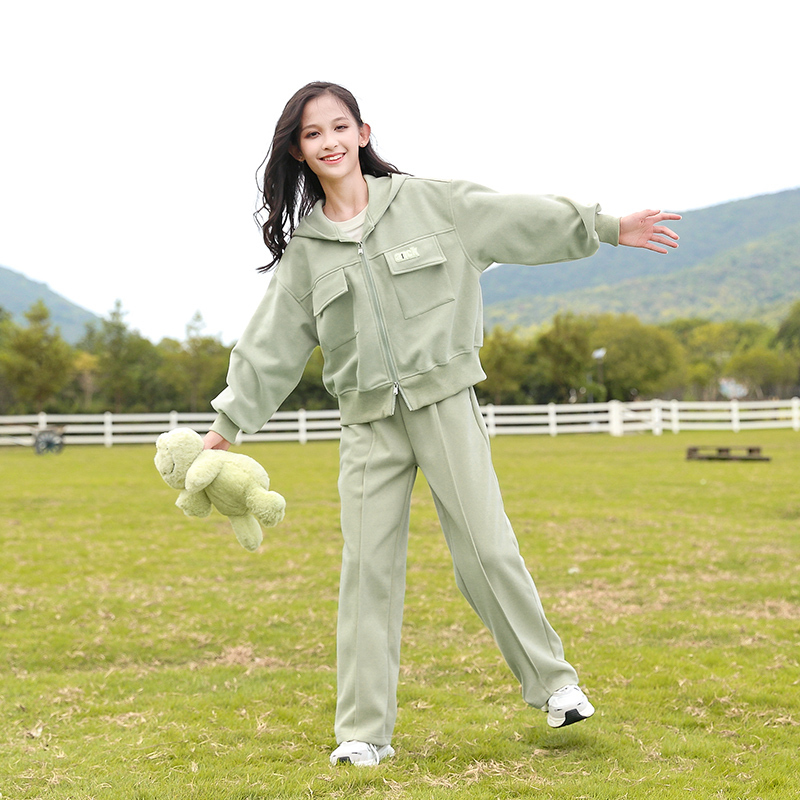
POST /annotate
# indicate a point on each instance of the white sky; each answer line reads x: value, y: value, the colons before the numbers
x: 130, y: 132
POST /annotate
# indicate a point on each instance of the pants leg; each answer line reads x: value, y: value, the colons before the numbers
x: 379, y: 461
x: 377, y: 473
x: 451, y: 446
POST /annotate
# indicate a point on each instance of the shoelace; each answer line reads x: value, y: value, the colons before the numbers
x: 374, y: 751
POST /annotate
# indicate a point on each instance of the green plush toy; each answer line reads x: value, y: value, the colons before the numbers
x: 236, y: 485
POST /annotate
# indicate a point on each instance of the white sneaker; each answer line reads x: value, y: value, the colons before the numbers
x: 566, y: 706
x: 362, y: 754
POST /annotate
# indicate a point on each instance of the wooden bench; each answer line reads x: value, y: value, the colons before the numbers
x: 741, y: 453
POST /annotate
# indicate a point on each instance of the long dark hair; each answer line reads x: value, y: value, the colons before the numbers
x: 290, y: 189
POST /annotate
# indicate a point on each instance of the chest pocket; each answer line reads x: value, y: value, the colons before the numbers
x: 419, y: 276
x: 333, y: 309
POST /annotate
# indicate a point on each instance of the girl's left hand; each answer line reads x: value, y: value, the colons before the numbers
x: 642, y: 230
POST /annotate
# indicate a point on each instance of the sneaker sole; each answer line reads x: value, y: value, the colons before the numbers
x: 571, y: 716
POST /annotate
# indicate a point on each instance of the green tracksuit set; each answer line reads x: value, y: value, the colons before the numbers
x: 398, y: 317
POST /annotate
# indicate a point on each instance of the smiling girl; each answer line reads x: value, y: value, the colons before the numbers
x: 381, y: 270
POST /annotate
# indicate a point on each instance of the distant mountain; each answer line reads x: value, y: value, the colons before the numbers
x: 18, y: 294
x: 735, y: 261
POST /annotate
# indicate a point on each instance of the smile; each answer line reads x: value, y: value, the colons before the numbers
x: 333, y: 159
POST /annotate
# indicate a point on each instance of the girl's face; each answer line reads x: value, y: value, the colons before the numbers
x: 329, y: 139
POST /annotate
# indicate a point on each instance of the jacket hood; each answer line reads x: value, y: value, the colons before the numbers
x: 381, y: 193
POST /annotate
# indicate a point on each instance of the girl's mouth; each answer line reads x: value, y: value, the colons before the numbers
x: 333, y: 159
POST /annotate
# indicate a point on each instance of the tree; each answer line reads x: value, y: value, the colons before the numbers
x: 194, y: 369
x: 788, y: 335
x: 683, y: 326
x: 640, y: 360
x: 788, y: 339
x: 506, y: 360
x: 765, y: 372
x: 562, y: 359
x: 710, y: 345
x: 127, y: 368
x: 7, y: 327
x: 86, y: 366
x: 35, y: 360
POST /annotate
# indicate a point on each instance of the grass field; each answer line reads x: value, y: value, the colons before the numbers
x: 145, y: 655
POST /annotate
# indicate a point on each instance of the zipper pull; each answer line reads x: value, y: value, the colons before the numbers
x: 360, y: 248
x: 396, y: 388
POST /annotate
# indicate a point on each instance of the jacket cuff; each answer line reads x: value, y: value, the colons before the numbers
x: 607, y: 228
x: 225, y: 427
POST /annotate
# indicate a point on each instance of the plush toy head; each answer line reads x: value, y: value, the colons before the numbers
x: 175, y: 453
x: 235, y: 484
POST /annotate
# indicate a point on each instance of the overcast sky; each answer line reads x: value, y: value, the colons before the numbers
x: 130, y: 133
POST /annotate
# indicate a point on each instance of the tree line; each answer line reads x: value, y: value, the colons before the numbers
x: 577, y: 358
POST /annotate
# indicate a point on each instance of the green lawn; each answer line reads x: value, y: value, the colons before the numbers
x: 144, y: 654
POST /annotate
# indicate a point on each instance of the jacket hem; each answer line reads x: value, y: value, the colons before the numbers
x: 417, y: 391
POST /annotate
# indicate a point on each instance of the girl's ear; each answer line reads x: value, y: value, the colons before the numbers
x: 294, y: 151
x: 364, y: 134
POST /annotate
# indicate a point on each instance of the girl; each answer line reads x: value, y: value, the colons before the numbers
x: 381, y: 270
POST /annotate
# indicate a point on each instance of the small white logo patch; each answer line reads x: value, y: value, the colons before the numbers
x: 407, y: 255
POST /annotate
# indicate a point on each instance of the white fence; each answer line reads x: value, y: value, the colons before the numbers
x: 615, y: 418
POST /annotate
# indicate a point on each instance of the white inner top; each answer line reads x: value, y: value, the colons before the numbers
x: 352, y: 229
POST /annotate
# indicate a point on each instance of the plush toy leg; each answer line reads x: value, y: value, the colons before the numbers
x: 267, y: 507
x: 194, y: 504
x: 247, y: 531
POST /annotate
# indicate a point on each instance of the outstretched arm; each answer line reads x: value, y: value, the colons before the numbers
x: 642, y: 229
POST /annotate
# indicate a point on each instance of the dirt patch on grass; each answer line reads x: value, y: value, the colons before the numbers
x: 244, y: 655
x: 601, y: 598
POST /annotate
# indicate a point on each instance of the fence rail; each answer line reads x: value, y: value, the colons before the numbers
x: 614, y: 418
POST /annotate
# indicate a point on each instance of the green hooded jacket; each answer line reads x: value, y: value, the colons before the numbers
x: 399, y: 313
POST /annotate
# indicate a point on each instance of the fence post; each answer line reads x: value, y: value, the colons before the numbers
x: 42, y: 420
x: 302, y: 428
x: 735, y: 426
x: 552, y: 422
x: 491, y: 421
x: 615, y: 421
x: 796, y: 413
x: 173, y: 420
x: 108, y: 432
x: 675, y: 414
x: 658, y: 420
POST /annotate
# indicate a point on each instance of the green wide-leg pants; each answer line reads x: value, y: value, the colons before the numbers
x: 379, y: 461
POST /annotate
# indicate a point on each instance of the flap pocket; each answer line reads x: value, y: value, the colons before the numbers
x: 332, y: 303
x: 327, y: 289
x: 415, y: 255
x: 419, y: 276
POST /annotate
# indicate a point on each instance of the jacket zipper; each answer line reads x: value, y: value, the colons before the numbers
x: 383, y: 335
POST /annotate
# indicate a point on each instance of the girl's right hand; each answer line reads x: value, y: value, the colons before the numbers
x: 213, y: 441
